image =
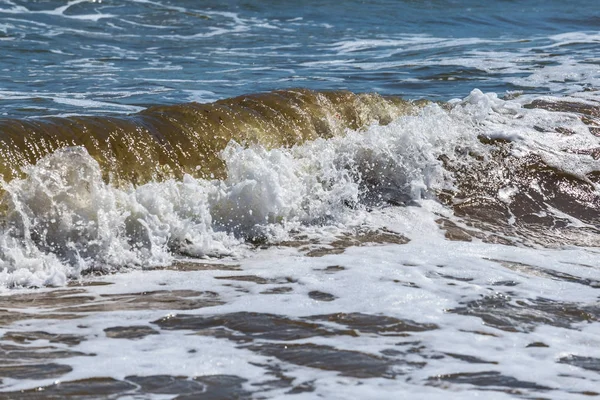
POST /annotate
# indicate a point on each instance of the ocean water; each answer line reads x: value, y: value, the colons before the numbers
x: 359, y: 199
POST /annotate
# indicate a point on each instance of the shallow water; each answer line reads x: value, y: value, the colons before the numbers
x: 375, y: 320
x: 307, y: 242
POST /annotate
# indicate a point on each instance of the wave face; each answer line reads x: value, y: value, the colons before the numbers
x: 170, y: 141
x: 98, y: 194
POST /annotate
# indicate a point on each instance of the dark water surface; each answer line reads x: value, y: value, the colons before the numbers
x: 114, y: 56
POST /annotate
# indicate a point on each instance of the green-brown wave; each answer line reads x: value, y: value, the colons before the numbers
x: 169, y: 141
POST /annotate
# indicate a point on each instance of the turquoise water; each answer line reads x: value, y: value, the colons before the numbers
x: 116, y: 56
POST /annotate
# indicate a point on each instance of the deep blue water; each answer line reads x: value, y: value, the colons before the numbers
x: 119, y: 56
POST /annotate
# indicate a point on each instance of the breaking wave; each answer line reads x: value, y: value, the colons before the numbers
x: 85, y: 194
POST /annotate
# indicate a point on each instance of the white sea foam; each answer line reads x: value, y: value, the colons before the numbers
x: 86, y: 103
x: 390, y: 47
x: 535, y: 65
x: 443, y: 275
x: 59, y: 11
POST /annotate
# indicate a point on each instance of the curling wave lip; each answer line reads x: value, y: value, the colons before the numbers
x: 169, y: 141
